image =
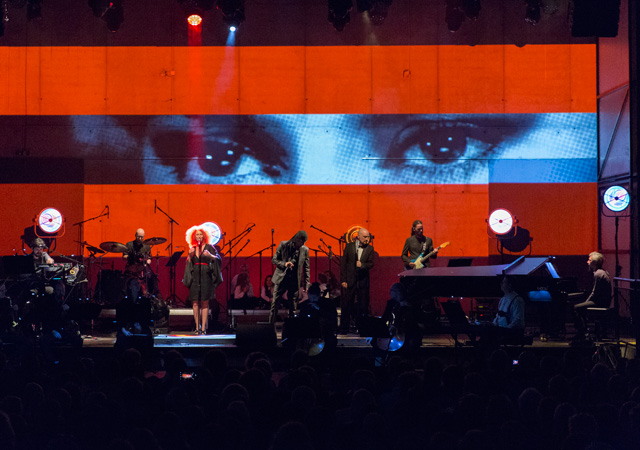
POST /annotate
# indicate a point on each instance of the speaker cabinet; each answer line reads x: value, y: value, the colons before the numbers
x: 255, y: 334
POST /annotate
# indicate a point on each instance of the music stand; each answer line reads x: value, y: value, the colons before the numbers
x: 172, y: 269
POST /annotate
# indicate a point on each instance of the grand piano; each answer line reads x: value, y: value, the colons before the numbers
x: 536, y: 279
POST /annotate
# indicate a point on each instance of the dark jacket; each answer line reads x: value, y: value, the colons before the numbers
x: 285, y: 252
x: 351, y: 274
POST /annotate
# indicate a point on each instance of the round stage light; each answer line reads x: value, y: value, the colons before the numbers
x: 194, y: 20
x: 616, y: 198
x: 50, y: 220
x: 501, y: 221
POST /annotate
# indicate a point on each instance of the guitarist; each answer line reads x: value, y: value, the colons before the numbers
x: 417, y: 244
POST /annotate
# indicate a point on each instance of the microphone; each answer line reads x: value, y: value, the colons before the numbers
x: 328, y: 246
x: 107, y: 211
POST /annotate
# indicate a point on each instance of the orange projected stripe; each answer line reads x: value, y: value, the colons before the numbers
x: 297, y: 80
x: 453, y: 213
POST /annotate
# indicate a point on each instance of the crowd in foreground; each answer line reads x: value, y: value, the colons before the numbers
x: 573, y: 402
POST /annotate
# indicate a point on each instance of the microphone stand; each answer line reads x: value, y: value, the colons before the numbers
x: 82, y: 243
x: 259, y: 252
x: 80, y: 226
x: 172, y: 268
x: 330, y: 253
x: 273, y: 245
x: 232, y: 243
x: 315, y: 263
x: 339, y: 239
x: 228, y: 269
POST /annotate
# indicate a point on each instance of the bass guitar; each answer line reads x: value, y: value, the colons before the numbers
x: 420, y: 260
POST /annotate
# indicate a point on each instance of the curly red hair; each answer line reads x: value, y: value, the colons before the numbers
x: 191, y: 235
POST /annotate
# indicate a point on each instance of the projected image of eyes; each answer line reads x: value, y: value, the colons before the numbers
x: 440, y: 142
x: 214, y: 154
x: 341, y: 149
x: 435, y: 149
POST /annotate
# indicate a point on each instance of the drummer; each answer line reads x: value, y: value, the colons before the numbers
x: 137, y: 254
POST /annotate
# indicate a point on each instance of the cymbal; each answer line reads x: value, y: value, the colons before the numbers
x: 113, y: 247
x: 93, y: 249
x: 155, y: 241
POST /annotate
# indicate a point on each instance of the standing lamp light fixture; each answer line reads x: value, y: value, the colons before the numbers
x: 501, y: 222
x: 49, y: 221
x: 616, y: 199
x: 503, y: 226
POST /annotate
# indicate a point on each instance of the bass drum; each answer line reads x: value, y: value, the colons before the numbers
x: 110, y: 287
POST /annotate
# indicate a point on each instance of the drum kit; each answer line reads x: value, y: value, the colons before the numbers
x: 117, y: 247
x: 110, y: 285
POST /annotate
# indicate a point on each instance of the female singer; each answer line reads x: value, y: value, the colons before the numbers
x: 202, y: 274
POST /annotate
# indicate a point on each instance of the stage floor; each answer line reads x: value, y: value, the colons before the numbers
x: 228, y: 340
x: 176, y: 336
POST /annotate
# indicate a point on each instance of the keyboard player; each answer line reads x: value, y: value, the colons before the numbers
x: 46, y: 307
x: 508, y: 325
x: 40, y: 256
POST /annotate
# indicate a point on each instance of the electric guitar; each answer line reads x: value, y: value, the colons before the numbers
x: 419, y: 261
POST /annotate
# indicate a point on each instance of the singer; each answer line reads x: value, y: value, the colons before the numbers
x: 355, y: 265
x: 292, y: 273
x: 202, y: 274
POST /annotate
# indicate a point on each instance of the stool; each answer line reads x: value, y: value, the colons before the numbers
x: 600, y: 318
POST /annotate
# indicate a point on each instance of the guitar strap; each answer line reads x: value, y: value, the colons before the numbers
x: 424, y: 247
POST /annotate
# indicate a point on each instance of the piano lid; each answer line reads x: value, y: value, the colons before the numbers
x: 521, y: 266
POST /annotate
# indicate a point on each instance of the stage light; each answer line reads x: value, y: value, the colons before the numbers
x: 503, y: 226
x: 194, y: 20
x: 232, y: 28
x: 34, y: 9
x: 471, y: 9
x: 454, y: 15
x: 532, y: 15
x: 616, y: 198
x: 232, y: 12
x: 457, y: 11
x: 110, y: 11
x: 501, y: 221
x: 377, y: 9
x: 194, y: 10
x: 339, y: 13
